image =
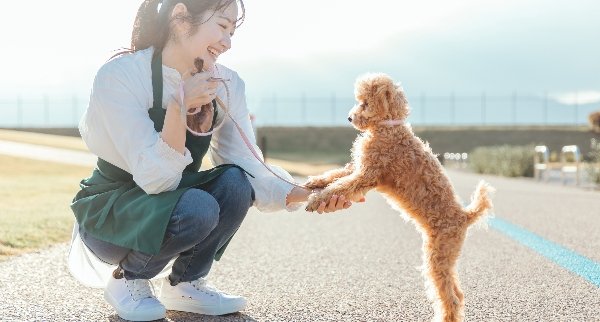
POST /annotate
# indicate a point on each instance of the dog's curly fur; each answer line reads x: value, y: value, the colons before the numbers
x: 398, y: 164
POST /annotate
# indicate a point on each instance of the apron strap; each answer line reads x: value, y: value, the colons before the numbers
x: 157, y: 79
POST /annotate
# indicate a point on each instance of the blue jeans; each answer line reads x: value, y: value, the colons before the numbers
x: 203, y: 220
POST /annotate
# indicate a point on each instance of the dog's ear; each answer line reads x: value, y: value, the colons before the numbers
x: 400, y: 102
x: 385, y: 92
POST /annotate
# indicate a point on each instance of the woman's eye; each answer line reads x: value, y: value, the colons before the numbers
x: 225, y: 28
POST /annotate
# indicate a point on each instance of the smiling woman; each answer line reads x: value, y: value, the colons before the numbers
x: 147, y: 211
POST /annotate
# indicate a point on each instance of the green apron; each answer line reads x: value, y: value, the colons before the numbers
x: 112, y: 207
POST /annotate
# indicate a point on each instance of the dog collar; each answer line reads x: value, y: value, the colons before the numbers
x: 392, y: 122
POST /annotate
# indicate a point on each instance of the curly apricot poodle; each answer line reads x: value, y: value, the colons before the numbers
x: 389, y: 157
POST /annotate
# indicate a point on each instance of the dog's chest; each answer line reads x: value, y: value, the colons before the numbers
x: 359, y: 146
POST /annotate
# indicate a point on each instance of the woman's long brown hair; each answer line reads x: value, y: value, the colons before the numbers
x: 152, y: 25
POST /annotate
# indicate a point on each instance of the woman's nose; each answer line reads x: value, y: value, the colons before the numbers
x: 226, y: 42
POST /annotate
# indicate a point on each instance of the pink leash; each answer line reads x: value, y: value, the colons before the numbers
x: 250, y: 146
x: 239, y: 128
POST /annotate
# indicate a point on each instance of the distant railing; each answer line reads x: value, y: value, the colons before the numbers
x: 569, y: 165
x: 570, y: 159
x: 541, y: 162
x: 304, y: 110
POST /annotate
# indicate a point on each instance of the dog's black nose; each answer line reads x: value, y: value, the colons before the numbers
x: 350, y: 119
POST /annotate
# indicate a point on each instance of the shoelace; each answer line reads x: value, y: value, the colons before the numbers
x: 201, y: 285
x: 140, y: 289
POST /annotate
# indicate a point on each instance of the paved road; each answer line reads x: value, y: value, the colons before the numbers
x: 360, y: 265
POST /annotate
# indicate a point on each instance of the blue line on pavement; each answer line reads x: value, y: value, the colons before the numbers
x: 566, y: 258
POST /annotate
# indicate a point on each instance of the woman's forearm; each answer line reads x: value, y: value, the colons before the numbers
x: 174, y: 130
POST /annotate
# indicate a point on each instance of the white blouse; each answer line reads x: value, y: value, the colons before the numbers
x: 117, y: 128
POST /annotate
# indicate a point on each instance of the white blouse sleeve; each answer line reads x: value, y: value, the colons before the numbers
x: 117, y: 128
x: 227, y: 146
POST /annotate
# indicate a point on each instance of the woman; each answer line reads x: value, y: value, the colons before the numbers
x: 146, y: 209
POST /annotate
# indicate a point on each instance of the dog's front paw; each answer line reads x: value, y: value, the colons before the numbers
x: 316, y: 182
x: 315, y: 200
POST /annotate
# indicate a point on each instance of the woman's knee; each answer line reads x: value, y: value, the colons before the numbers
x: 195, y: 215
x: 238, y: 185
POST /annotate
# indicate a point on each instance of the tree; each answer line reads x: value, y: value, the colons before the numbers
x: 594, y: 120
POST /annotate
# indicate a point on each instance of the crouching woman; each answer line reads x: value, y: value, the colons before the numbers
x: 147, y: 212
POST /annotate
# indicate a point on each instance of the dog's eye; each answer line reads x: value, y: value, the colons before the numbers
x: 364, y: 105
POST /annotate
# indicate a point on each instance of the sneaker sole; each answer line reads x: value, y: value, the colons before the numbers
x: 193, y: 307
x: 134, y: 316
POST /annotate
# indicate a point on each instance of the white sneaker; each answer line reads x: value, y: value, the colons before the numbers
x: 133, y: 299
x: 198, y: 297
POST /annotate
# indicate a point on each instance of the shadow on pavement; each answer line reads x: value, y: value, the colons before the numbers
x: 174, y: 316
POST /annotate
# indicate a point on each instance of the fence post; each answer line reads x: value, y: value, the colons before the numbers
x: 483, y: 108
x: 303, y: 101
x: 46, y: 110
x: 576, y: 108
x: 514, y: 108
x: 274, y: 109
x: 545, y: 108
x: 333, y: 109
x: 19, y: 111
x: 452, y: 109
x: 75, y: 109
x: 423, y: 114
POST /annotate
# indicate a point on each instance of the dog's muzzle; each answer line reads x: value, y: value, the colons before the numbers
x: 350, y: 119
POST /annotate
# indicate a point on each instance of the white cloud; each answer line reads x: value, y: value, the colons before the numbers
x: 577, y: 98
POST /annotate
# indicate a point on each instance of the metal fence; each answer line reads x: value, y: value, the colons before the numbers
x: 480, y: 110
x: 304, y: 110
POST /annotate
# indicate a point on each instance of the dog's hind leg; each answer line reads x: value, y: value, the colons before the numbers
x: 441, y: 252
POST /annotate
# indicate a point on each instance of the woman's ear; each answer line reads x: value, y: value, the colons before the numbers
x: 180, y: 17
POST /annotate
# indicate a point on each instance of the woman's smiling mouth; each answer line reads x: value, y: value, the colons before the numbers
x: 214, y: 52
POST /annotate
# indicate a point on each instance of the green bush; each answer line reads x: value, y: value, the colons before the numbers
x: 505, y: 160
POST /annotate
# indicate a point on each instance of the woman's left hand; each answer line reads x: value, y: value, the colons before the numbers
x: 327, y: 200
x: 335, y: 203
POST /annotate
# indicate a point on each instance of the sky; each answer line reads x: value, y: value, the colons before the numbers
x: 319, y: 47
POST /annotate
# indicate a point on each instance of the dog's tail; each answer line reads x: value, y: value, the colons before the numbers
x: 481, y: 202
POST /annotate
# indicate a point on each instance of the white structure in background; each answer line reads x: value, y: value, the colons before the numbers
x: 541, y: 159
x: 570, y: 158
x: 456, y: 160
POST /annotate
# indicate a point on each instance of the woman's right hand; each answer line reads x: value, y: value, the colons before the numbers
x: 198, y: 90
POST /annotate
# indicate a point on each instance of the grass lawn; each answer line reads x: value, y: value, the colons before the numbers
x: 57, y: 141
x: 35, y: 198
x: 35, y: 195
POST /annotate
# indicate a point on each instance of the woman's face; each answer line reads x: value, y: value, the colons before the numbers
x: 212, y: 38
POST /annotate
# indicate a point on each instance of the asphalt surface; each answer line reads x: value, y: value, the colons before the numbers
x: 361, y: 264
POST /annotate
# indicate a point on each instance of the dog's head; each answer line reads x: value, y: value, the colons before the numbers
x: 378, y: 99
